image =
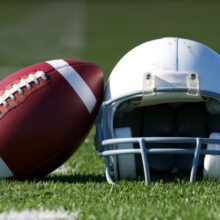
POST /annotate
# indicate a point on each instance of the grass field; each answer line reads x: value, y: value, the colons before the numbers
x: 102, y: 32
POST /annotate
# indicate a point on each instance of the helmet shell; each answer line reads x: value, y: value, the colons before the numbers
x: 170, y: 60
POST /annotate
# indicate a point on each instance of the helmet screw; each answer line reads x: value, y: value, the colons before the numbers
x: 193, y: 76
x: 148, y: 76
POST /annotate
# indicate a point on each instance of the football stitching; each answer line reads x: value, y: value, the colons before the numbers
x: 3, y: 116
x: 18, y: 87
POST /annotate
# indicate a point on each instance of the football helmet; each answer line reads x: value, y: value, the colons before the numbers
x: 161, y: 111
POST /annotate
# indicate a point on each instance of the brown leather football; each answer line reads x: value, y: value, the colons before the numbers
x: 46, y: 110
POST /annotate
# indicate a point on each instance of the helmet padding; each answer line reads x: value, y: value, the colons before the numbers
x: 190, y: 122
x: 159, y: 122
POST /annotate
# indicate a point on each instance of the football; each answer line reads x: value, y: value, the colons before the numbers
x: 46, y: 110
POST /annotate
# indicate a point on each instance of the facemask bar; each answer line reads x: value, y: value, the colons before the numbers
x: 144, y: 151
x: 104, y: 143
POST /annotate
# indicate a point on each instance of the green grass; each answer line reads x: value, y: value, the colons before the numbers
x: 111, y: 29
x: 124, y: 201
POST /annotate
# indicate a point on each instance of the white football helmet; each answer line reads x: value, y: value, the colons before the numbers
x: 161, y: 111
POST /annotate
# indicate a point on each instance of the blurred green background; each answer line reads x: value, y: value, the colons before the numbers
x: 102, y: 32
x: 98, y: 31
x: 116, y: 27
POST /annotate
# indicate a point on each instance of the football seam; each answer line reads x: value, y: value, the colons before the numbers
x: 27, y: 97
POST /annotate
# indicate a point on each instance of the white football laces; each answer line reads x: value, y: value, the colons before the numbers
x: 18, y: 87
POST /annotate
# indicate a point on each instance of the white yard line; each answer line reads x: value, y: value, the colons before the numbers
x: 41, y: 214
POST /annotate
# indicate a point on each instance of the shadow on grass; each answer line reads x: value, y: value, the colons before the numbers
x: 156, y: 177
x: 64, y: 178
x: 78, y: 178
x: 166, y: 177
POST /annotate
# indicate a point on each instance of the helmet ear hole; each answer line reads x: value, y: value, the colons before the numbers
x: 212, y: 162
x: 126, y: 162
